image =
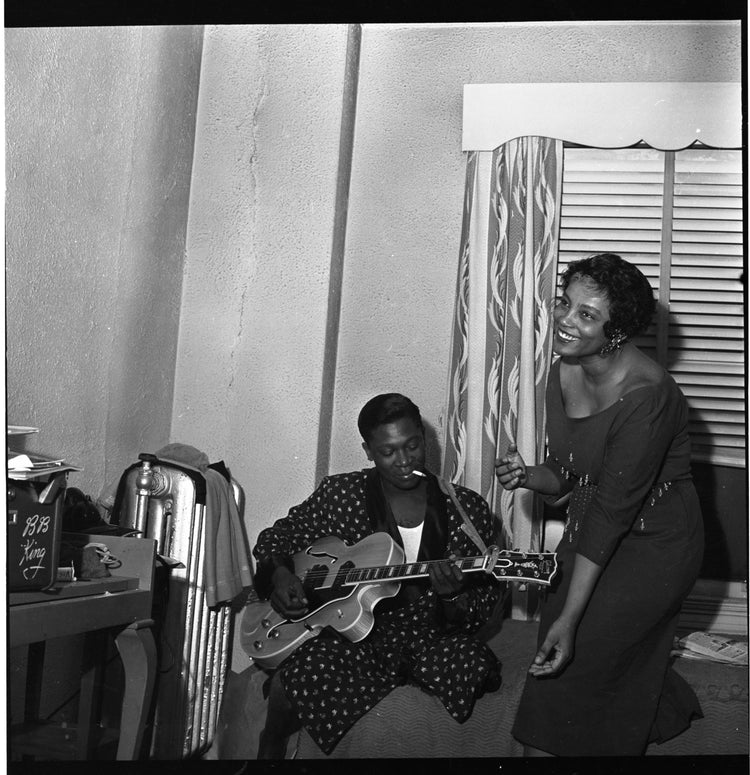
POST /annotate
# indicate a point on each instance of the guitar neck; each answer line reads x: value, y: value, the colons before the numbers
x: 504, y: 565
x: 409, y: 570
x: 535, y: 567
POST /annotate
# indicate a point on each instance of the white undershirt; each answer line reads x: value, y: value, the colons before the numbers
x: 412, y: 537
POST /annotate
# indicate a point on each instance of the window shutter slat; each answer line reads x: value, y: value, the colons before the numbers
x: 708, y: 220
x: 702, y: 367
x: 570, y: 210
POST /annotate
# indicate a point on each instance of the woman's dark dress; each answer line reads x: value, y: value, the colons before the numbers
x: 633, y: 510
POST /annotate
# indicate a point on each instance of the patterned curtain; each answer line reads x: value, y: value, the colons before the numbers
x: 501, y: 346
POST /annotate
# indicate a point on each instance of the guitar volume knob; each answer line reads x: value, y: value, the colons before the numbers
x: 265, y: 623
x: 258, y: 645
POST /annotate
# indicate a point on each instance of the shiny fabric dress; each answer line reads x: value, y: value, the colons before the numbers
x: 333, y: 682
x: 634, y: 511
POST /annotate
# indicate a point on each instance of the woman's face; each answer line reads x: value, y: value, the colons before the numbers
x: 579, y: 317
x: 397, y: 449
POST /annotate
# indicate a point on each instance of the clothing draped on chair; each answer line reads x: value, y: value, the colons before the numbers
x: 501, y: 344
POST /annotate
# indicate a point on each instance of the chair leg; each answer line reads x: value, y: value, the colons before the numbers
x: 89, y: 703
x: 137, y: 650
x: 34, y: 680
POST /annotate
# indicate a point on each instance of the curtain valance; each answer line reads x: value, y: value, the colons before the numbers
x: 666, y: 116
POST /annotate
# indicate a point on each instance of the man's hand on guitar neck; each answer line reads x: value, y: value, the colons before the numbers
x: 288, y: 596
x: 447, y: 580
x: 446, y: 577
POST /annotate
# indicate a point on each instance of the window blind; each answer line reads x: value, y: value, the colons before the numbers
x: 678, y: 217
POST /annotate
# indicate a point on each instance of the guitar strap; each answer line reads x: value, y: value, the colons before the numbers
x: 468, y: 525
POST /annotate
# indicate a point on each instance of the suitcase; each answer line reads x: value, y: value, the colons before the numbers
x: 34, y: 527
x: 166, y: 502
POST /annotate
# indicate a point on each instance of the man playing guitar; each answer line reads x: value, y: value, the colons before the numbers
x: 421, y: 631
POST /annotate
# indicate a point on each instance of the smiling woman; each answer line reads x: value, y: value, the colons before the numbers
x: 604, y: 304
x: 580, y: 316
x: 618, y: 444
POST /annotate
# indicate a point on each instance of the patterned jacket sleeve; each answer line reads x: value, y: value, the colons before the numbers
x: 303, y: 525
x: 483, y: 591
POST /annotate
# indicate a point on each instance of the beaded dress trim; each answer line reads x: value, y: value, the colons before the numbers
x: 584, y: 491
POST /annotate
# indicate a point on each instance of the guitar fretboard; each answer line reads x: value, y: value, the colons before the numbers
x: 407, y: 570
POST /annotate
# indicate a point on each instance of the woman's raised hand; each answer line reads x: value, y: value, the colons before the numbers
x: 510, y: 469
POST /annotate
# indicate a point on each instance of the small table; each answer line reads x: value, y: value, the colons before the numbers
x: 119, y: 604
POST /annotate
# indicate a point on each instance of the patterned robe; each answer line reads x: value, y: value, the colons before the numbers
x: 332, y: 682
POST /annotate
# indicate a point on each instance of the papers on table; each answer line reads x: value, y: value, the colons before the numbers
x: 25, y: 466
x: 22, y: 462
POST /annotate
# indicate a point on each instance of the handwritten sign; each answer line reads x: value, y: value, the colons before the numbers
x: 33, y: 541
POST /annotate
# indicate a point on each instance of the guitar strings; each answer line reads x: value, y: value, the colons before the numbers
x: 464, y: 563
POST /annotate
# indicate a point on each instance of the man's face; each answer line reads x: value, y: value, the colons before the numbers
x: 397, y: 449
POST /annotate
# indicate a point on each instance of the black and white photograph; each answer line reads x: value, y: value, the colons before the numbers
x: 375, y: 389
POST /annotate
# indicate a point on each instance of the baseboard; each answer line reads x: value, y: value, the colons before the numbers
x: 716, y: 606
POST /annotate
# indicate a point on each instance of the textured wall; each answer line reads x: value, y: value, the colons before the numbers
x: 250, y: 358
x: 408, y: 177
x: 252, y: 333
x: 99, y: 141
x: 100, y: 126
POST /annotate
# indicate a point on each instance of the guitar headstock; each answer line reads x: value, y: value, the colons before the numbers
x: 531, y: 567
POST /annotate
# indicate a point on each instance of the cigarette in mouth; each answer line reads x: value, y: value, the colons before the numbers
x: 420, y: 473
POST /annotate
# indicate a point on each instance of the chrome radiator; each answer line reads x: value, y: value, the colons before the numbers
x: 167, y: 502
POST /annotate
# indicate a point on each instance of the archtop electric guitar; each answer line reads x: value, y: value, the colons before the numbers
x: 343, y: 584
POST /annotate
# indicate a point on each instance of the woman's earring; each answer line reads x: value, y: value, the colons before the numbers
x: 616, y: 341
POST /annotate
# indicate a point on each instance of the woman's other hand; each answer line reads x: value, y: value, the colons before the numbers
x: 288, y: 596
x: 510, y: 469
x: 556, y: 651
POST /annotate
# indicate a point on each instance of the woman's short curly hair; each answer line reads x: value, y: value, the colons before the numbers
x: 630, y: 295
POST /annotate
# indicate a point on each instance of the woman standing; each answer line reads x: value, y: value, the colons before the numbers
x: 600, y: 683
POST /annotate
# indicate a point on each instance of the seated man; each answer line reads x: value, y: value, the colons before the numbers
x: 423, y: 634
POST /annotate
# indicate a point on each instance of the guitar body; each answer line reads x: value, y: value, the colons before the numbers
x: 269, y: 638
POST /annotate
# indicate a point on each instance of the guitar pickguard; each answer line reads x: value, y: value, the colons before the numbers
x: 323, y: 584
